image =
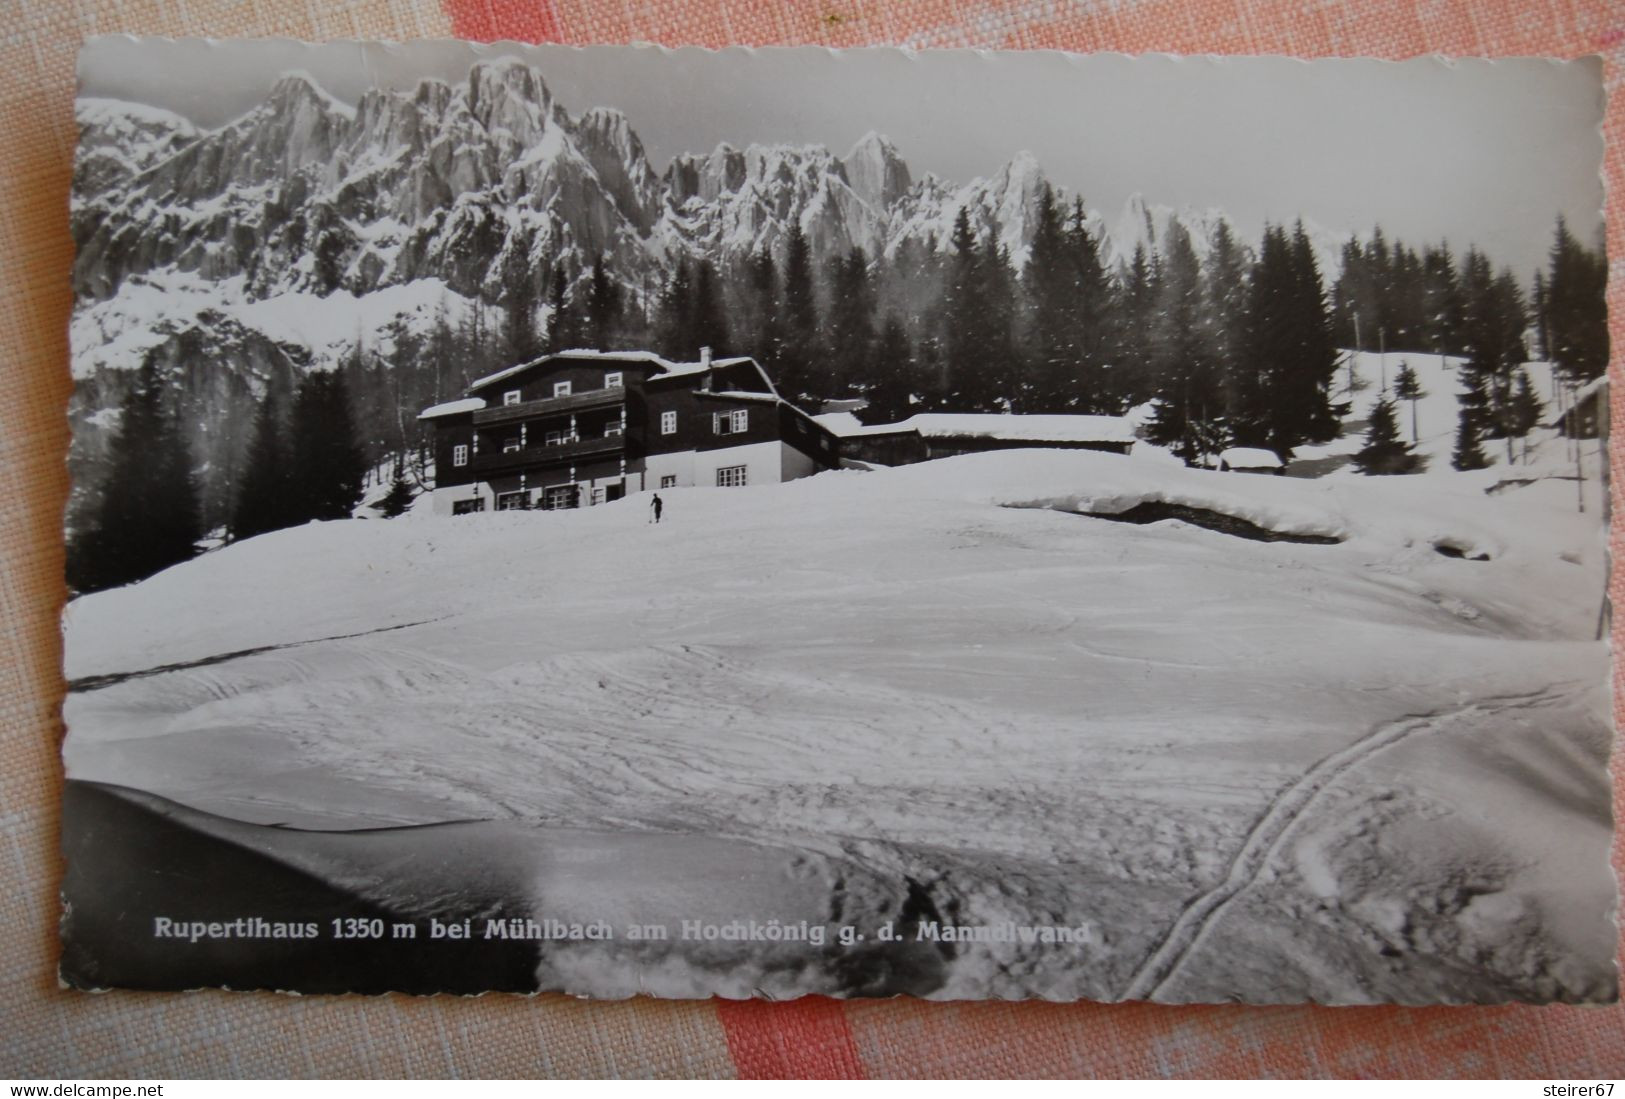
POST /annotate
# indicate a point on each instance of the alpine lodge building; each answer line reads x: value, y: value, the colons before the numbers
x: 578, y: 428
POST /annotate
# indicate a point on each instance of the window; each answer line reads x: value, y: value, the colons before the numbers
x: 459, y: 454
x: 510, y: 397
x: 730, y: 423
x: 668, y: 480
x: 730, y: 476
x: 554, y: 438
x: 561, y: 389
x: 560, y: 496
x: 612, y: 429
x: 510, y: 444
x: 824, y: 442
x: 597, y: 495
x: 513, y: 501
x: 612, y: 381
x: 668, y: 423
x: 468, y: 507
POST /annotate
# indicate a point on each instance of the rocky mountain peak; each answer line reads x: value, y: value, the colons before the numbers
x: 506, y: 95
x: 119, y: 140
x: 876, y: 171
x: 469, y: 181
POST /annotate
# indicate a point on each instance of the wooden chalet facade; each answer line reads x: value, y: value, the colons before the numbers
x: 578, y: 428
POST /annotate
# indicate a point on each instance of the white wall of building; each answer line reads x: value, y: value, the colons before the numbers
x: 442, y: 499
x: 793, y: 463
x: 764, y: 465
x: 679, y: 464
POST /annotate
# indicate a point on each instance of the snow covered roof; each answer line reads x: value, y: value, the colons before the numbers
x: 743, y: 395
x: 1250, y: 457
x: 841, y: 423
x: 1058, y: 428
x: 451, y: 408
x: 1591, y: 387
x: 1038, y: 429
x: 667, y: 368
x: 1053, y: 428
x: 850, y: 404
x: 845, y: 425
x: 578, y: 353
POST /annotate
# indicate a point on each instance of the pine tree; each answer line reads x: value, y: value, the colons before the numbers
x: 1225, y: 332
x: 674, y: 323
x: 766, y: 310
x: 1066, y: 350
x: 1494, y: 322
x: 1316, y: 366
x: 603, y: 308
x: 957, y: 315
x: 1131, y: 337
x: 146, y: 518
x: 1511, y: 316
x: 1268, y: 418
x: 998, y: 366
x: 1187, y: 384
x: 521, y: 342
x: 895, y: 375
x: 1524, y: 411
x: 1407, y: 387
x: 1441, y: 300
x: 1354, y: 298
x: 1468, y: 454
x: 1479, y: 343
x: 851, y: 339
x: 982, y: 365
x: 708, y: 326
x: 233, y: 430
x: 1576, y: 315
x: 1097, y: 385
x: 441, y: 351
x: 801, y: 325
x: 479, y: 351
x: 264, y: 497
x: 1294, y: 360
x: 400, y: 495
x: 1384, y: 451
x: 564, y: 321
x: 1537, y: 309
x: 1053, y: 295
x: 326, y: 467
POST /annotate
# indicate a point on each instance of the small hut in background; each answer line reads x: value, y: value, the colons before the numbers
x: 1249, y: 459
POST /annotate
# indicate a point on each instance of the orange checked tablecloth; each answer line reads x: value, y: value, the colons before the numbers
x: 45, y: 1032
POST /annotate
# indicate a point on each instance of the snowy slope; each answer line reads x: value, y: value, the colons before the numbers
x: 117, y: 334
x: 1207, y: 749
x: 1435, y: 420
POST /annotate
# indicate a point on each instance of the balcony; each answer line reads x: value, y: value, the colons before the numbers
x: 549, y: 406
x: 530, y: 457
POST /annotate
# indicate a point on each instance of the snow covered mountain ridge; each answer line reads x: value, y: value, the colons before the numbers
x: 464, y: 182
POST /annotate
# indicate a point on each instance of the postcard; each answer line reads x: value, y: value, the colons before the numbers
x: 759, y: 523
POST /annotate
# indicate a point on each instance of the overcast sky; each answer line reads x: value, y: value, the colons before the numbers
x: 1473, y: 151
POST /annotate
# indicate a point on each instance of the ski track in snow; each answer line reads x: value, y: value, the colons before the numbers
x: 1268, y: 835
x: 97, y: 682
x: 1043, y: 721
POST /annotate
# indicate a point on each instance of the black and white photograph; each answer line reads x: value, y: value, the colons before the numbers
x: 756, y: 523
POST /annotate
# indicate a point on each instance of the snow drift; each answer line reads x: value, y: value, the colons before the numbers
x: 1348, y: 772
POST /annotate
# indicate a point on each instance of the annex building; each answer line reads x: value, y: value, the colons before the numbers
x: 928, y: 435
x: 578, y: 428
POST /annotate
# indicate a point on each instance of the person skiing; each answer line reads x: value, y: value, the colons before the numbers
x: 655, y: 505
